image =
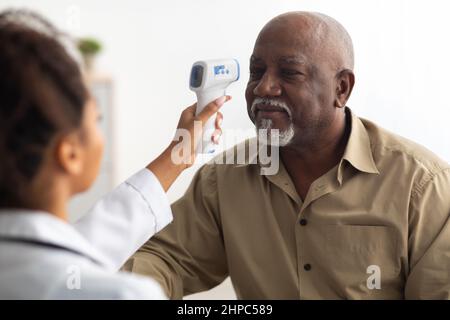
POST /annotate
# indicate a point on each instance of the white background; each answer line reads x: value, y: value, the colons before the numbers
x: 402, y: 63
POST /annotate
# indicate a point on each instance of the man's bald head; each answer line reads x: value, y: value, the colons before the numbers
x: 322, y: 35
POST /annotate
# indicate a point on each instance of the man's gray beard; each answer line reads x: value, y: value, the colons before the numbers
x: 274, y: 137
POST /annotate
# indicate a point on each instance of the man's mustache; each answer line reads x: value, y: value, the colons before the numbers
x: 277, y: 103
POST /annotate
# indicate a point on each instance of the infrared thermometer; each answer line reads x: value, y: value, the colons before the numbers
x: 209, y: 80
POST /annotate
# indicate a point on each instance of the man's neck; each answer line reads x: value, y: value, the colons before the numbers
x: 306, y: 164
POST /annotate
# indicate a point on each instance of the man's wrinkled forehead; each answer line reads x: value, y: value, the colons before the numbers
x: 297, y: 59
x: 293, y: 46
x: 289, y: 40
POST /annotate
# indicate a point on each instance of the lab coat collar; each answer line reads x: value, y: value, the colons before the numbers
x: 42, y: 228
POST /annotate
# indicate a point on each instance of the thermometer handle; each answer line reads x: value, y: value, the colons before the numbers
x: 203, y: 98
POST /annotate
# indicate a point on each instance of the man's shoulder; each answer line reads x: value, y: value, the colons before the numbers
x: 390, y: 147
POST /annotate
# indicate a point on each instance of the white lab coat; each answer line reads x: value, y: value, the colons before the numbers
x: 43, y: 257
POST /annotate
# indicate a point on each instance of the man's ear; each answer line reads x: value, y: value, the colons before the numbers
x: 69, y: 155
x: 345, y: 82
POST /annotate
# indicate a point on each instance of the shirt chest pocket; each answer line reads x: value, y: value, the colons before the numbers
x: 364, y: 260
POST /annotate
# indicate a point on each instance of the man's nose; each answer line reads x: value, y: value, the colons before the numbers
x: 268, y: 86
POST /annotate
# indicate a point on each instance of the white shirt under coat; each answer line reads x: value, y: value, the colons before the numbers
x: 43, y: 257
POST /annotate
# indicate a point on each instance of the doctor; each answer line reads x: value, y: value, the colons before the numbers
x: 50, y: 148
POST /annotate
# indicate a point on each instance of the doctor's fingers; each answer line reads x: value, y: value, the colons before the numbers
x: 219, y: 120
x: 218, y: 131
x: 212, y: 108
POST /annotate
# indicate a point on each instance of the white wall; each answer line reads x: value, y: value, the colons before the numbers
x: 402, y: 62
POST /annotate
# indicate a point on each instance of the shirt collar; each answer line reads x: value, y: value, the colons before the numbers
x: 358, y: 151
x: 43, y: 228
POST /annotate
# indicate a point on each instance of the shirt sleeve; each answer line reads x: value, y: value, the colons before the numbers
x: 125, y: 218
x: 188, y: 256
x: 429, y: 240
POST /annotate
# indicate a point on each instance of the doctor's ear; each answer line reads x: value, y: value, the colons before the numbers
x: 69, y: 153
x: 345, y: 81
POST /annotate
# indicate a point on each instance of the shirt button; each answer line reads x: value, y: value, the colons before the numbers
x: 303, y: 222
x: 307, y: 267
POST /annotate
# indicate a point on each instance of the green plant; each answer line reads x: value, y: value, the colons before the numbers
x: 89, y: 46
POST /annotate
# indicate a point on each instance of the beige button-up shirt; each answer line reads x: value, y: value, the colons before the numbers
x: 376, y: 226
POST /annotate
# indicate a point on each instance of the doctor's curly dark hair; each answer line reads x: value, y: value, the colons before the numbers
x: 41, y: 94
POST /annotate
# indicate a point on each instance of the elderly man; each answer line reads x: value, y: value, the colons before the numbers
x: 354, y: 212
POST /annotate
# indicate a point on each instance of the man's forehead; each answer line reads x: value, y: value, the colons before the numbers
x: 290, y: 49
x: 297, y: 59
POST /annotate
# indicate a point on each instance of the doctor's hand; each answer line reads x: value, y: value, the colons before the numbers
x: 190, y: 130
x: 180, y: 154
